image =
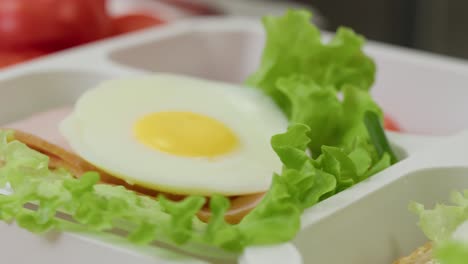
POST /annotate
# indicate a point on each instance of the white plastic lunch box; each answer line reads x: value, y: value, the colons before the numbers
x: 368, y: 223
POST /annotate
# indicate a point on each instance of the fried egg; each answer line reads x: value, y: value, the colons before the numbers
x: 178, y: 134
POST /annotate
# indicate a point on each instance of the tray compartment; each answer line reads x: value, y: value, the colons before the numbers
x: 380, y: 228
x: 224, y: 56
x: 425, y: 93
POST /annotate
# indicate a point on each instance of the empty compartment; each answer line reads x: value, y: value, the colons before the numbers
x: 425, y: 94
x: 227, y: 56
x: 25, y: 95
x: 380, y: 228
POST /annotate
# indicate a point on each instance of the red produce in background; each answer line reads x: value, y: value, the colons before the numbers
x: 32, y: 28
x: 132, y: 22
x: 8, y: 58
x: 52, y: 24
x: 390, y: 124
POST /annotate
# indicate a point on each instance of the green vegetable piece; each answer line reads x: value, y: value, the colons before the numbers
x: 452, y: 252
x: 182, y: 216
x: 439, y: 223
x: 294, y: 47
x: 218, y: 231
x: 377, y: 135
x: 291, y: 146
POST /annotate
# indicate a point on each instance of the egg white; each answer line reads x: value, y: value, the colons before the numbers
x: 100, y: 130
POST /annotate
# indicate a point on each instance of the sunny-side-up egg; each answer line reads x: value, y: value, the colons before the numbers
x: 178, y: 134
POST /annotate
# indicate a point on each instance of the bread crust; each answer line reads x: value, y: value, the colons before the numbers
x: 62, y: 158
x: 422, y: 255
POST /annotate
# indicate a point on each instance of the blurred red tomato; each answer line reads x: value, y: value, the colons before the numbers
x: 132, y: 22
x: 390, y: 124
x: 52, y: 24
x: 194, y: 7
x: 8, y: 58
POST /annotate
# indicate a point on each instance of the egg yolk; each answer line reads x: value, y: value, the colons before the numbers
x: 185, y: 134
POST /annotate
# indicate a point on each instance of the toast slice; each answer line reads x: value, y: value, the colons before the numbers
x: 60, y: 157
x: 422, y: 255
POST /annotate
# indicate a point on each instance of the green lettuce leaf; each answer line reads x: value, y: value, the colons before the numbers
x: 316, y: 106
x: 332, y: 121
x: 452, y: 252
x: 218, y: 231
x: 439, y: 223
x: 294, y: 47
x: 350, y: 166
x: 355, y: 105
x: 325, y: 87
x: 337, y: 134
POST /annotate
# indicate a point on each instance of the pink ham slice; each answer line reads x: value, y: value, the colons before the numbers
x: 44, y: 125
x: 40, y: 132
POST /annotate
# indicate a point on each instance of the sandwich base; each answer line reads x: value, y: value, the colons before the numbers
x: 60, y: 157
x: 422, y: 255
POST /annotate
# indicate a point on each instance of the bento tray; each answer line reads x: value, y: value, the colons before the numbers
x: 368, y: 223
